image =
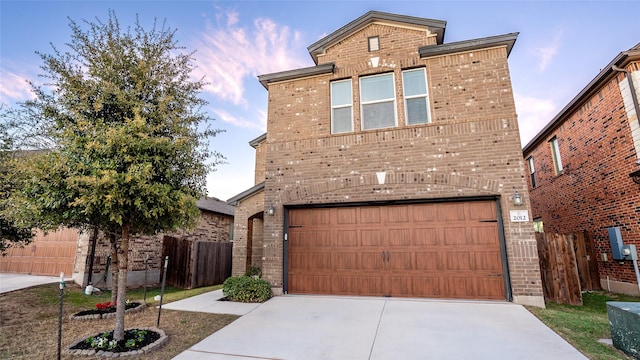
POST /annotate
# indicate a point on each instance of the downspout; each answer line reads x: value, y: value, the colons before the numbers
x: 634, y: 98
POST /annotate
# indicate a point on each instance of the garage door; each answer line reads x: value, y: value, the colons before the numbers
x: 48, y: 254
x: 443, y: 250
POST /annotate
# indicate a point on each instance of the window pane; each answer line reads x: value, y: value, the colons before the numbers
x: 341, y: 120
x: 417, y: 111
x: 341, y: 93
x: 379, y: 115
x: 377, y: 88
x: 414, y: 82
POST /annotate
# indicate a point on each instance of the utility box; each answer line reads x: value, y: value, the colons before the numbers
x: 615, y: 239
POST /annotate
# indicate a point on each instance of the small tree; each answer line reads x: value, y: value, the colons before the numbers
x: 130, y: 145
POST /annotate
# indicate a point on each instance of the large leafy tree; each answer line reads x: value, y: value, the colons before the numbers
x: 12, y: 233
x: 130, y: 136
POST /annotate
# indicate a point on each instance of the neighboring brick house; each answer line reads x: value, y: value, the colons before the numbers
x: 580, y: 166
x: 391, y: 168
x: 215, y: 224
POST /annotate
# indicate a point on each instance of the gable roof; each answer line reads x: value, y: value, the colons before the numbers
x: 295, y: 74
x: 215, y: 205
x: 606, y: 74
x: 255, y: 142
x: 245, y: 194
x: 434, y: 26
x: 468, y: 45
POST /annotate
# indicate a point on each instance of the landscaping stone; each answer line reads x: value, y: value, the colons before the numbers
x: 624, y: 320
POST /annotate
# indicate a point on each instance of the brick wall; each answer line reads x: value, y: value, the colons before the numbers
x: 472, y: 147
x: 245, y: 210
x: 594, y: 191
x: 260, y: 163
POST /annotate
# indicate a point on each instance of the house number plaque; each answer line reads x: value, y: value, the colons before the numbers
x: 519, y: 215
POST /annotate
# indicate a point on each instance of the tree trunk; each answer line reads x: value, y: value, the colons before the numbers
x: 123, y: 263
x: 113, y: 239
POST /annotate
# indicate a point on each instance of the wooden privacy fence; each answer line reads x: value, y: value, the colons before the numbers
x: 195, y: 264
x: 568, y: 266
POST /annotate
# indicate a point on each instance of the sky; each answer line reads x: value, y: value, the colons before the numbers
x: 561, y: 47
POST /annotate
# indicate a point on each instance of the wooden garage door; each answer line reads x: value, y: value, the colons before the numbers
x: 444, y: 250
x: 48, y: 254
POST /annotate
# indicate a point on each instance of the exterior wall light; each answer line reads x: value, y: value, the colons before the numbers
x: 517, y: 199
x: 635, y: 176
x: 271, y: 210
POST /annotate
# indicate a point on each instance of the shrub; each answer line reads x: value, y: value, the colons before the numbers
x: 246, y: 289
x: 254, y: 271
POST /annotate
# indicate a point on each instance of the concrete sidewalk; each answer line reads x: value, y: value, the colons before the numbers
x: 326, y: 327
x: 12, y: 282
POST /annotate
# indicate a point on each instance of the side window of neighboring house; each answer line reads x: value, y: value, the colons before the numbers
x: 555, y: 153
x: 532, y: 171
x: 341, y: 107
x: 416, y: 98
x: 378, y: 101
x: 538, y: 226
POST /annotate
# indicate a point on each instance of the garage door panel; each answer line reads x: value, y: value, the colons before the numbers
x: 456, y: 261
x: 347, y: 261
x: 346, y: 238
x: 421, y: 213
x: 310, y: 239
x: 489, y: 287
x: 371, y: 260
x: 455, y: 236
x: 428, y: 261
x: 425, y: 236
x: 401, y: 260
x: 347, y: 216
x: 484, y: 235
x: 371, y: 238
x: 311, y: 284
x: 399, y: 237
x: 439, y: 250
x: 487, y: 261
x: 370, y: 215
x: 397, y: 214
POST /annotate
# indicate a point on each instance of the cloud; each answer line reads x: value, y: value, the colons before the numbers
x: 260, y: 124
x: 231, y: 53
x: 547, y: 53
x: 14, y: 87
x: 533, y: 115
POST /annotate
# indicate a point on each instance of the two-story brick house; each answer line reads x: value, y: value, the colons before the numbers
x: 391, y: 168
x: 580, y: 164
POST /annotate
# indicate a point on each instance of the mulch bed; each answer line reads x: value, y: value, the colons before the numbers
x: 108, y: 313
x: 152, y: 340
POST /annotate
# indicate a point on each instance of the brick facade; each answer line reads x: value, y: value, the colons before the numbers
x: 594, y: 191
x: 471, y: 148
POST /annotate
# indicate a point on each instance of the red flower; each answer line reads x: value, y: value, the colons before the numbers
x: 105, y: 306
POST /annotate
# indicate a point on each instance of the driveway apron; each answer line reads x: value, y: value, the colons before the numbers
x: 326, y: 327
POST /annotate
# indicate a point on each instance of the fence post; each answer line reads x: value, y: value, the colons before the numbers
x: 60, y: 315
x: 164, y: 278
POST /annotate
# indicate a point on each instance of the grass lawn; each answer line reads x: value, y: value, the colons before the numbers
x: 582, y: 326
x: 29, y: 321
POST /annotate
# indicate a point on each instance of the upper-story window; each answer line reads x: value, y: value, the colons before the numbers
x: 555, y: 154
x: 341, y: 107
x: 374, y: 43
x: 378, y: 101
x: 532, y: 171
x: 416, y: 98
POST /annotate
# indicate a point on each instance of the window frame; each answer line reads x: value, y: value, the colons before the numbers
x: 370, y: 40
x: 334, y: 107
x: 425, y: 95
x: 532, y: 171
x: 555, y: 155
x: 538, y: 225
x: 364, y: 103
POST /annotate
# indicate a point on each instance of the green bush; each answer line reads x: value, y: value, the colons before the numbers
x: 254, y: 270
x: 246, y: 289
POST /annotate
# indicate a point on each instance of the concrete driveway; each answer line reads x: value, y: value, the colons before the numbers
x: 319, y: 327
x: 12, y: 282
